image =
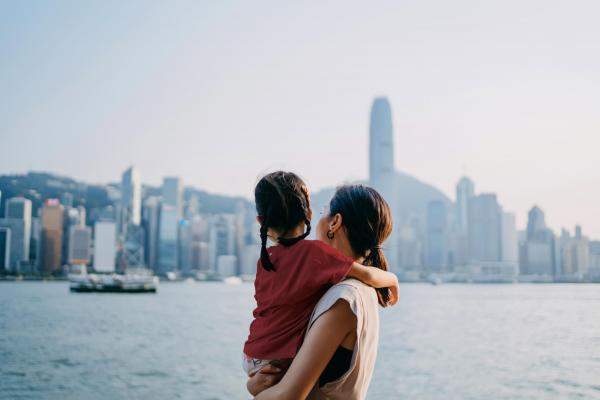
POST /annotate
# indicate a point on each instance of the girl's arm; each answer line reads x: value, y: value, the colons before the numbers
x: 323, y: 338
x: 376, y: 278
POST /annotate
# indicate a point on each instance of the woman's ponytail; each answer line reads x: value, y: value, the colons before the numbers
x: 377, y: 259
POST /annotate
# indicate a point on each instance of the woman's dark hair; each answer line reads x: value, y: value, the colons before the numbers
x: 282, y: 202
x: 367, y: 220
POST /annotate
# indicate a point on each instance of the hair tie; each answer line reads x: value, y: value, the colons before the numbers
x: 376, y: 247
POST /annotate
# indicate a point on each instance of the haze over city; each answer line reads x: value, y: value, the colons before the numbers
x: 219, y: 94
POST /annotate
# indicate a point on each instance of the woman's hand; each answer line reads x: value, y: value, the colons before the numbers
x: 266, y: 377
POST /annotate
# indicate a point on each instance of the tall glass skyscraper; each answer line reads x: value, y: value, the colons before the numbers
x: 381, y: 168
x: 171, y: 213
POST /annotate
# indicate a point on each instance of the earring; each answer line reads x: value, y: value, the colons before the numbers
x: 330, y: 234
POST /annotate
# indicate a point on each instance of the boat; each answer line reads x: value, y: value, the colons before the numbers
x: 232, y: 280
x: 135, y: 281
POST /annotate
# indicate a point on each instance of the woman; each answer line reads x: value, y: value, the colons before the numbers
x: 338, y: 354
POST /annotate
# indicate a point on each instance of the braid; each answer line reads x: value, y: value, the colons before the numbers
x: 264, y: 254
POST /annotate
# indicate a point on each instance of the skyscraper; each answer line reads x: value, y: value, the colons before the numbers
x: 484, y: 226
x: 171, y: 212
x: 151, y: 221
x: 52, y: 235
x: 131, y: 234
x: 18, y: 212
x: 537, y: 255
x: 131, y: 197
x: 105, y: 238
x: 381, y: 168
x: 4, y: 249
x: 465, y: 189
x: 509, y: 241
x: 80, y: 245
x: 436, y: 241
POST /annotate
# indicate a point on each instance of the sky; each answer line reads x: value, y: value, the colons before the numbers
x: 221, y: 92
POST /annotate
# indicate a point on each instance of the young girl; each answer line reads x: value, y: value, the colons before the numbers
x: 294, y: 274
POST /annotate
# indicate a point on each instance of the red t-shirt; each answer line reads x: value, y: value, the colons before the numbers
x: 285, y: 298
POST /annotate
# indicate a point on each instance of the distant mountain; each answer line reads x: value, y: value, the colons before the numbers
x: 39, y: 186
x: 413, y: 197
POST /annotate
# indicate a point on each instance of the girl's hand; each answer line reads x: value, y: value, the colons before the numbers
x: 394, y: 294
x: 267, y: 376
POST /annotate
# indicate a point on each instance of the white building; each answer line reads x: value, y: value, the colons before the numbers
x: 105, y: 242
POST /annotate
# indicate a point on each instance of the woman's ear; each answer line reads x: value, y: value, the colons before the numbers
x: 335, y: 223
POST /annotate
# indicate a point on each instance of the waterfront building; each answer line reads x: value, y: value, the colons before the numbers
x: 4, y: 248
x: 509, y: 239
x: 227, y: 265
x: 537, y: 255
x: 465, y: 190
x: 250, y: 256
x: 17, y: 238
x: 80, y: 245
x: 436, y: 242
x: 105, y: 242
x: 576, y: 256
x: 131, y: 235
x: 594, y: 262
x: 185, y: 240
x: 52, y: 236
x: 484, y: 227
x: 201, y: 256
x: 171, y: 213
x: 19, y: 208
x: 222, y: 238
x: 131, y: 198
x: 151, y: 223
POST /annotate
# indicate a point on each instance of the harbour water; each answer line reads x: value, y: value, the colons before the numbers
x: 440, y: 342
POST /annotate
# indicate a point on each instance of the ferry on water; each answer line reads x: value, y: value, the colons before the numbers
x: 133, y: 281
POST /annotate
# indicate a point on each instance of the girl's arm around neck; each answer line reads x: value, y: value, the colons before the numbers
x: 376, y: 278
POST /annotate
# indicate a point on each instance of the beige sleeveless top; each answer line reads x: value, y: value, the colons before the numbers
x: 363, y: 302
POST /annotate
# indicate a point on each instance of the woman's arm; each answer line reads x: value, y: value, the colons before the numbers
x: 376, y: 278
x: 323, y: 338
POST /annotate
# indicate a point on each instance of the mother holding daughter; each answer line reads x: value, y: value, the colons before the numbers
x: 316, y: 325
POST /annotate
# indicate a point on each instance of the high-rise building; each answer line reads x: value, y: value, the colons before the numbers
x: 484, y: 227
x: 222, y: 238
x: 509, y: 240
x: 594, y: 269
x: 536, y: 222
x: 436, y: 246
x: 80, y: 245
x: 105, y: 242
x: 537, y: 255
x: 171, y: 213
x: 465, y: 190
x: 151, y: 222
x: 4, y: 249
x: 381, y: 168
x: 576, y: 255
x: 131, y: 236
x: 131, y: 198
x: 185, y: 240
x: 18, y: 220
x: 52, y: 236
x: 17, y: 238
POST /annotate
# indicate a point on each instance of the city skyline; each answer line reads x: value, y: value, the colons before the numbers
x: 513, y: 109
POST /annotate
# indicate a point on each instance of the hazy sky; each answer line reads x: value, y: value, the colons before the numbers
x: 220, y: 92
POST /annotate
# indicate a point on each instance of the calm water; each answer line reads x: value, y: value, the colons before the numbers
x: 440, y: 342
